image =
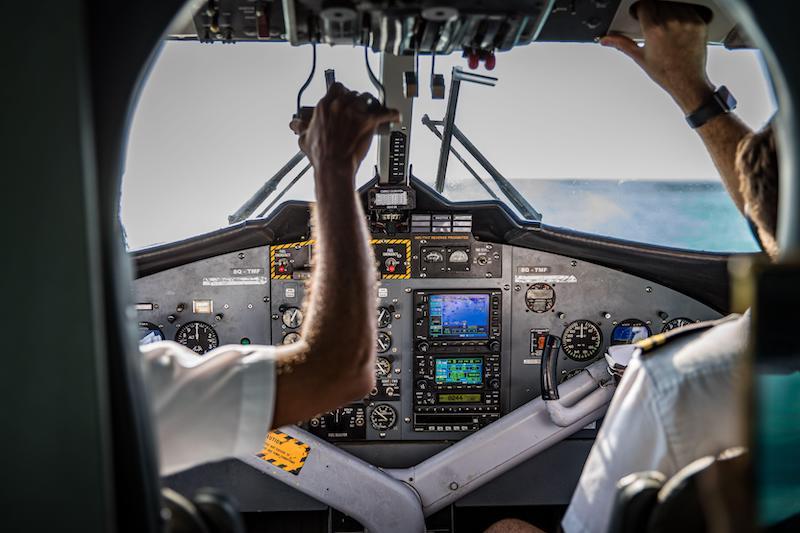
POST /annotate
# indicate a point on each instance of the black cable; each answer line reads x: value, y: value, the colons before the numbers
x: 310, y: 76
x: 375, y: 81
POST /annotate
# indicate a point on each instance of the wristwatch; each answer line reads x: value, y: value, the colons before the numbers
x: 721, y: 102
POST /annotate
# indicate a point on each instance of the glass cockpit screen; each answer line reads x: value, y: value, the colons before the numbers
x: 459, y: 371
x: 458, y: 316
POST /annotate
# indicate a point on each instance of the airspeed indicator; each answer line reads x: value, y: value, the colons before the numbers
x: 582, y: 340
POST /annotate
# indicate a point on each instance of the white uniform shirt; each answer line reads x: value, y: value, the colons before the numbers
x: 672, y: 406
x: 209, y: 407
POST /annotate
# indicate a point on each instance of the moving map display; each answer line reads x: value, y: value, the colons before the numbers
x: 459, y: 316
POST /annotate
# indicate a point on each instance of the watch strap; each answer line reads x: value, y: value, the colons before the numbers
x: 721, y: 102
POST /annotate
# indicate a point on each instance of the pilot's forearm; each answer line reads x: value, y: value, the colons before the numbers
x: 721, y: 135
x: 333, y: 363
x: 342, y: 306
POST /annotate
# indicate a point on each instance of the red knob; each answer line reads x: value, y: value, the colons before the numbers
x: 473, y: 60
x: 490, y: 61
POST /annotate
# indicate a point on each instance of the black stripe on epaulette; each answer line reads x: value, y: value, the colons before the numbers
x: 660, y: 339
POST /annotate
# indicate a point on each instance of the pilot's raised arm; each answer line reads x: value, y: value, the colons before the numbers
x: 674, y: 56
x: 224, y: 403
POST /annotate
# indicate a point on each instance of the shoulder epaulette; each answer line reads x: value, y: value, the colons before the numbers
x: 660, y: 339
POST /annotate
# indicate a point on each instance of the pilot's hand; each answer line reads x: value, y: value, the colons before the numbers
x: 674, y: 54
x: 342, y: 128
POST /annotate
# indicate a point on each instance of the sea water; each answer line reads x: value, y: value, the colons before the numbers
x: 679, y: 214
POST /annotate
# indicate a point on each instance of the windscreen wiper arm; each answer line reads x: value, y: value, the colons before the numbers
x: 426, y: 120
x: 249, y: 207
x: 514, y: 196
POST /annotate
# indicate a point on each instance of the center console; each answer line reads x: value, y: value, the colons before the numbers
x: 457, y: 344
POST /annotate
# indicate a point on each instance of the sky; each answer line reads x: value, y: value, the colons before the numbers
x: 211, y: 124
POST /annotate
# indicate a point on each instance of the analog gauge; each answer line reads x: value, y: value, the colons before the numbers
x: 629, y: 331
x: 384, y: 342
x: 292, y: 317
x: 383, y: 417
x: 434, y: 256
x: 197, y: 336
x: 582, y: 340
x: 676, y: 323
x: 149, y: 333
x: 291, y: 338
x: 540, y: 297
x: 458, y: 256
x: 383, y: 367
x: 384, y: 317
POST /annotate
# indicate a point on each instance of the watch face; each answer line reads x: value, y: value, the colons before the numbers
x: 726, y: 98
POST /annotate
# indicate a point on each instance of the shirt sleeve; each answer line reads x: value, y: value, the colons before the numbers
x: 631, y: 439
x: 209, y: 407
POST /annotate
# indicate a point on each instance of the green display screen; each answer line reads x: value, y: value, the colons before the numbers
x: 460, y: 398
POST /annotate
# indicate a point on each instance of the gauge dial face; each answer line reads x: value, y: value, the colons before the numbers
x: 383, y: 417
x: 383, y: 367
x: 582, y: 340
x: 149, y: 333
x: 384, y: 342
x: 384, y: 317
x: 291, y: 338
x: 629, y: 331
x: 292, y: 317
x: 540, y: 297
x: 676, y: 323
x: 197, y: 336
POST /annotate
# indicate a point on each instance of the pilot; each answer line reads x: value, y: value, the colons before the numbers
x: 224, y: 403
x: 680, y: 402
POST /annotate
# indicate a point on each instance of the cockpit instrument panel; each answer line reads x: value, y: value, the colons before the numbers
x: 461, y: 323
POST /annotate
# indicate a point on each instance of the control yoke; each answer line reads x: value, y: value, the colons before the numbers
x: 564, y: 413
x: 549, y: 372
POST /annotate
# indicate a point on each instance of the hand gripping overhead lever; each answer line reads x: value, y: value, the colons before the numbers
x: 305, y: 113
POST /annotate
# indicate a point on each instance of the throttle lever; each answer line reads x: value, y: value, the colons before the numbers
x: 549, y: 368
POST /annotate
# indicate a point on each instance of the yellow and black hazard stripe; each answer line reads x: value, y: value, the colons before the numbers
x: 285, y: 452
x: 407, y: 244
x: 274, y: 248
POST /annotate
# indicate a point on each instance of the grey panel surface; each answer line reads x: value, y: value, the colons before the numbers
x: 586, y: 291
x: 547, y: 479
x: 236, y: 283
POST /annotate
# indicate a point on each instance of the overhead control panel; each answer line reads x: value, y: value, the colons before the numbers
x: 399, y: 28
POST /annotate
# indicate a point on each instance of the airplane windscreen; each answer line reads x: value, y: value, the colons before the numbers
x: 590, y: 142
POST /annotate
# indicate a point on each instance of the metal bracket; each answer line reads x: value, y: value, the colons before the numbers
x: 457, y: 76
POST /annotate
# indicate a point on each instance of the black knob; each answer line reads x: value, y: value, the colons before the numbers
x: 179, y: 308
x: 662, y: 315
x: 423, y: 347
x: 171, y: 319
x: 495, y: 384
x: 494, y: 346
x: 422, y: 384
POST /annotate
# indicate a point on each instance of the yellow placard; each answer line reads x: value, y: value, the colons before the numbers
x: 284, y: 452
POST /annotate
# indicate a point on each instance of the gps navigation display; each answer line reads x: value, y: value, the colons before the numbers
x: 459, y: 316
x: 459, y: 371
